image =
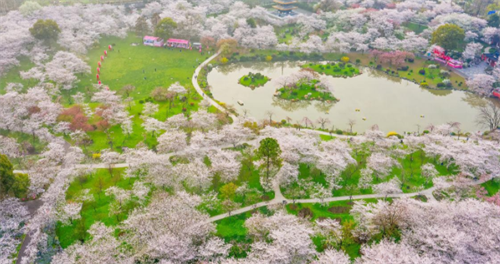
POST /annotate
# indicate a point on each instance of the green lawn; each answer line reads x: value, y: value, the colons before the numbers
x: 98, y: 210
x: 145, y: 68
x: 253, y: 80
x: 492, y: 186
x: 306, y: 91
x: 338, y: 69
x: 248, y: 175
x: 285, y: 34
x: 335, y: 210
x: 13, y: 76
x: 417, y: 28
x: 233, y: 230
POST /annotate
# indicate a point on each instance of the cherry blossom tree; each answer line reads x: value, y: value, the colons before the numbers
x: 170, y: 228
x: 472, y: 51
x: 63, y: 67
x: 381, y: 164
x: 12, y: 216
x: 172, y: 141
x: 103, y: 247
x: 69, y: 212
x: 225, y: 164
x: 481, y: 83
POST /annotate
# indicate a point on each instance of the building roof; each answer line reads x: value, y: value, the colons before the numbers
x: 284, y: 8
x: 492, y: 56
x: 180, y: 41
x: 151, y: 38
x: 285, y: 2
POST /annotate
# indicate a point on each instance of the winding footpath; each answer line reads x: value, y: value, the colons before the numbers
x: 279, y: 198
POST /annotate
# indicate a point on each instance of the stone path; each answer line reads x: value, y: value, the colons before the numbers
x: 470, y: 72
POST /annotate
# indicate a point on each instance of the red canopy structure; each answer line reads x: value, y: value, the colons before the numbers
x: 178, y: 43
x: 439, y: 54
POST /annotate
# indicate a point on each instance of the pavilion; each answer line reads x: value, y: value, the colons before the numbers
x: 284, y: 7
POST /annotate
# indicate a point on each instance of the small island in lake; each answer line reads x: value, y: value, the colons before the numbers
x: 253, y: 80
x: 305, y: 85
x: 335, y: 69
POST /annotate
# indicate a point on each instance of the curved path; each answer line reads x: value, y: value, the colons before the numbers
x: 194, y: 80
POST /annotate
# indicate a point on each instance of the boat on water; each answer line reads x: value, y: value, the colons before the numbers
x: 240, y: 102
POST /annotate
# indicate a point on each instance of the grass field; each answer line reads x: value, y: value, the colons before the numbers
x: 141, y: 66
x: 97, y: 210
x: 492, y: 186
x: 334, y: 69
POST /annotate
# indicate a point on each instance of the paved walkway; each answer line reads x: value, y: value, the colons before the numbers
x: 200, y: 91
x: 470, y: 72
x: 281, y: 200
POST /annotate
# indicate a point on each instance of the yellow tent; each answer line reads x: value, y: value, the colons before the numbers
x: 392, y: 133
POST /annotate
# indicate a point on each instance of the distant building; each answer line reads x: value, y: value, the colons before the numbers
x: 491, y: 58
x: 153, y: 41
x: 284, y: 7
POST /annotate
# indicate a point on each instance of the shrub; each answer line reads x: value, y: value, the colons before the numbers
x: 269, y: 58
x: 358, y: 60
x: 424, y: 84
x: 21, y: 185
x: 426, y: 132
x: 224, y: 60
x: 339, y: 132
x: 96, y: 155
x: 336, y: 70
x: 379, y: 67
x: 411, y: 60
x: 345, y: 59
x: 349, y: 66
x: 440, y: 85
x: 421, y: 71
x: 404, y: 68
x: 444, y: 73
x: 283, y: 121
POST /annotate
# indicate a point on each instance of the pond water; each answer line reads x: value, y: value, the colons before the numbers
x: 391, y: 103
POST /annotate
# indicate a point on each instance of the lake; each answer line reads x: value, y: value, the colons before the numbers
x: 392, y: 103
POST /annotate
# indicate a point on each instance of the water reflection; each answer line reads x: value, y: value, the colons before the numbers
x: 390, y: 102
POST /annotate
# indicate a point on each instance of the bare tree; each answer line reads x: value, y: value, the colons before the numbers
x: 351, y: 123
x: 270, y: 115
x: 307, y: 121
x: 456, y: 126
x: 489, y: 116
x: 322, y: 121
